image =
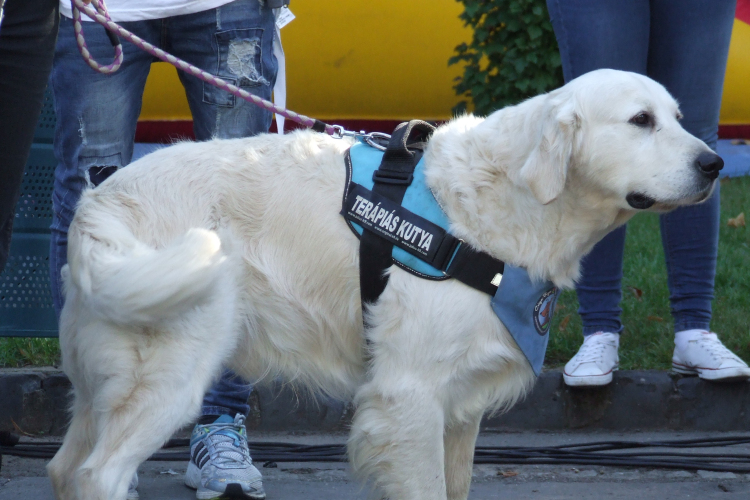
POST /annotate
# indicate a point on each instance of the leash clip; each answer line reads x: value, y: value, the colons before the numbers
x: 377, y: 140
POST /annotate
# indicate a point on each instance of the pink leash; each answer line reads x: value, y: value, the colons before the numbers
x: 99, y: 14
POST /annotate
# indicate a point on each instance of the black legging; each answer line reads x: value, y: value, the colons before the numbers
x: 27, y: 42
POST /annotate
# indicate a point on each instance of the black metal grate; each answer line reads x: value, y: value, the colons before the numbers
x: 25, y: 282
x: 45, y: 128
x: 34, y: 208
x: 26, y: 307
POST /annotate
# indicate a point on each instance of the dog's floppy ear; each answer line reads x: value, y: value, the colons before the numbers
x: 546, y: 168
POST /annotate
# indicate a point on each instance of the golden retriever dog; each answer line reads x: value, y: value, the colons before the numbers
x: 233, y: 252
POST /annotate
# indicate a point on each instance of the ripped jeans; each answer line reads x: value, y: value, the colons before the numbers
x: 97, y: 113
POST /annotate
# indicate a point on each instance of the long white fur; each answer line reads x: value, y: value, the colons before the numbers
x: 234, y: 253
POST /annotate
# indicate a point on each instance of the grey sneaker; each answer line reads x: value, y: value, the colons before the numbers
x: 220, y: 464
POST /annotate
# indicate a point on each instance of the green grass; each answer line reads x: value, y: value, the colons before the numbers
x: 17, y: 352
x: 648, y: 339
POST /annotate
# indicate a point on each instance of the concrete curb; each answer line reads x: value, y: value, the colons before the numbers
x: 35, y: 402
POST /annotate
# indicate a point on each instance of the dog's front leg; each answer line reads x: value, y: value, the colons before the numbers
x: 397, y: 439
x: 460, y: 440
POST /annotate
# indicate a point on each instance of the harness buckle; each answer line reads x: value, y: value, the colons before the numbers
x: 391, y: 177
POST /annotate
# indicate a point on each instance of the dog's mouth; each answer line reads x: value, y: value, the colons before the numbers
x: 640, y: 201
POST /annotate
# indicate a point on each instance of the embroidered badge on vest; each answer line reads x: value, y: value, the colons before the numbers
x: 543, y: 310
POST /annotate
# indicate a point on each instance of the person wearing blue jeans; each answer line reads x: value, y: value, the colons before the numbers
x: 682, y: 44
x: 96, y: 121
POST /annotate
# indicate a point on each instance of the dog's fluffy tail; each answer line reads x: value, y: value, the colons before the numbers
x: 128, y: 282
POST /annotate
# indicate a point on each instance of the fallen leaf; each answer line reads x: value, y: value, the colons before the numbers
x: 19, y: 430
x: 738, y: 221
x: 637, y: 293
x: 564, y: 323
x: 655, y: 318
x: 507, y: 473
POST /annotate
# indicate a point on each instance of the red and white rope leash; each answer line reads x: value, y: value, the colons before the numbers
x: 99, y: 14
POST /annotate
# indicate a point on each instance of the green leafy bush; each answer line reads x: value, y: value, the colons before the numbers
x: 513, y: 54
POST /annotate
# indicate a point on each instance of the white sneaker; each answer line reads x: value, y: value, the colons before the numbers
x: 701, y: 353
x: 595, y: 361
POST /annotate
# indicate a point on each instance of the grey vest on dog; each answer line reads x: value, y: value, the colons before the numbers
x: 525, y: 307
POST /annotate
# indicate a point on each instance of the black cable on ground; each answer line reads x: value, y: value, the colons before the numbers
x: 603, y: 453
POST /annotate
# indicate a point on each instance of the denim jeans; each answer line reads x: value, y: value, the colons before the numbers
x: 682, y: 44
x: 97, y: 113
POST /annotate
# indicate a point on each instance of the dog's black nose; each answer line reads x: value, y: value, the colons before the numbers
x: 709, y: 164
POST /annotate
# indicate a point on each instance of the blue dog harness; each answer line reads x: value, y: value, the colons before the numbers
x: 412, y: 233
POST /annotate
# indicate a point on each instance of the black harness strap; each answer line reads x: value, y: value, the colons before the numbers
x: 452, y: 256
x: 391, y: 179
x: 477, y: 269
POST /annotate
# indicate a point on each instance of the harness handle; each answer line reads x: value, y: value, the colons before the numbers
x: 393, y: 176
x: 412, y: 134
x: 402, y: 154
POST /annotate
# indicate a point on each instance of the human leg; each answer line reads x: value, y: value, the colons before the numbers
x: 96, y: 119
x: 241, y: 52
x: 688, y: 56
x: 234, y: 42
x: 29, y: 31
x: 594, y: 34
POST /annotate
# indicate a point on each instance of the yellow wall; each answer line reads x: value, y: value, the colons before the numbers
x: 353, y: 59
x: 389, y: 60
x: 735, y: 104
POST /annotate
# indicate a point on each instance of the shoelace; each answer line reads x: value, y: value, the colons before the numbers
x: 712, y: 344
x: 592, y: 350
x: 223, y: 447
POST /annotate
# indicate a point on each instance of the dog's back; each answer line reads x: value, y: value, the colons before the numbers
x: 252, y: 221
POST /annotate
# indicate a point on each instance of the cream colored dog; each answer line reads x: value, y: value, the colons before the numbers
x: 233, y: 252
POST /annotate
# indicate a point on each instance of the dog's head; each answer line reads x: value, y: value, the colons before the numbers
x: 618, y: 133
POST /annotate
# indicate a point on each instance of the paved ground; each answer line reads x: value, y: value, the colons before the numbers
x: 25, y: 479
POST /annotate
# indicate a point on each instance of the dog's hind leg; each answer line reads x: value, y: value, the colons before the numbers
x: 134, y: 428
x: 460, y: 440
x: 78, y: 442
x: 157, y: 388
x: 397, y: 440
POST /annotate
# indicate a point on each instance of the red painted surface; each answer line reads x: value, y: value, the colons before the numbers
x: 743, y: 11
x: 165, y: 132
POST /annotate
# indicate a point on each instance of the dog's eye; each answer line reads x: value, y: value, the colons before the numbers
x: 642, y: 120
